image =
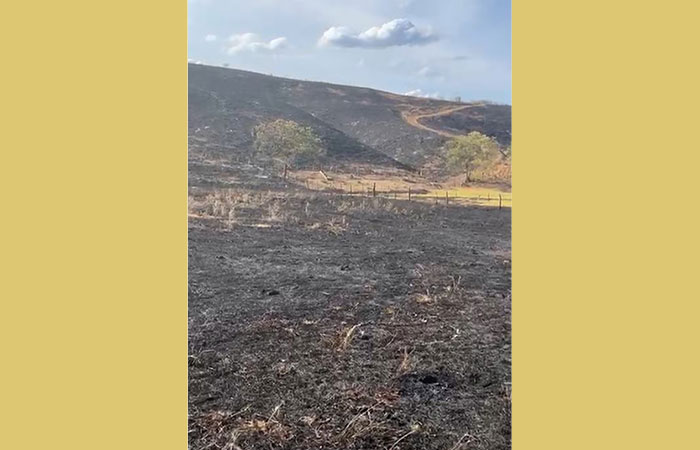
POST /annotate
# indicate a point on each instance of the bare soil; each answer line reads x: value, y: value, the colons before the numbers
x: 414, y: 118
x: 322, y: 321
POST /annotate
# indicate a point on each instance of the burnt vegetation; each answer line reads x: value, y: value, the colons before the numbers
x: 358, y: 125
x: 318, y: 321
x: 324, y: 320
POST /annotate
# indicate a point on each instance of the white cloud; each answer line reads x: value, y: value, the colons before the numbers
x: 251, y: 42
x: 393, y: 33
x: 420, y: 93
x: 210, y: 37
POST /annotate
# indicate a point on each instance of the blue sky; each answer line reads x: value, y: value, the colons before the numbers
x: 443, y: 48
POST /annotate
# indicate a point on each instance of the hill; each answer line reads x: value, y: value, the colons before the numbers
x: 358, y: 125
x: 374, y: 299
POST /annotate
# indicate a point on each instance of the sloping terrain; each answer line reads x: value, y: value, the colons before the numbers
x: 485, y: 118
x: 416, y: 119
x: 323, y: 314
x: 357, y: 124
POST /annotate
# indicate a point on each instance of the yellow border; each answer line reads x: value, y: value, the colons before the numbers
x: 94, y: 184
x: 94, y: 226
x: 605, y: 226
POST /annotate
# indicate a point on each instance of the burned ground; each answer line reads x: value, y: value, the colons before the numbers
x: 322, y: 320
x: 491, y: 120
x: 357, y: 124
x: 337, y: 322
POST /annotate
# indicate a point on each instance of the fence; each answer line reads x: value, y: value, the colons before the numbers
x: 445, y: 197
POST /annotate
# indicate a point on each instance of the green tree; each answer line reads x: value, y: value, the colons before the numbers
x: 288, y: 142
x: 473, y: 151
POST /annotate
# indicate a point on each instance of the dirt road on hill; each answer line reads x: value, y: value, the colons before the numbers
x: 413, y: 118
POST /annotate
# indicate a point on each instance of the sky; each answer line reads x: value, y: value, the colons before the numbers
x: 435, y: 48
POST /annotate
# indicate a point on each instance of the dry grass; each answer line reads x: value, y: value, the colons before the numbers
x: 425, y: 298
x: 454, y: 287
x: 227, y: 205
x: 363, y: 180
x: 374, y: 206
x: 414, y: 429
x: 461, y: 441
x: 395, y: 184
x: 406, y: 362
x: 219, y: 203
x: 433, y: 287
x: 481, y: 194
x: 240, y: 207
x: 335, y: 225
x: 275, y: 212
x: 346, y: 337
x: 368, y: 421
x: 270, y: 426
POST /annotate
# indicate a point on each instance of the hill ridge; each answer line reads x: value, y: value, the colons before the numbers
x: 358, y: 124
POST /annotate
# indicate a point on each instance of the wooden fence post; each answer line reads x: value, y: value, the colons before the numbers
x: 499, y: 201
x: 409, y: 194
x: 447, y: 198
x: 374, y: 189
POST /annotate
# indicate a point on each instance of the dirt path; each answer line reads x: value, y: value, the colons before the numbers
x: 414, y: 119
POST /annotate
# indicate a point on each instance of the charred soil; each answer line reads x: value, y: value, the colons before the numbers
x: 322, y: 321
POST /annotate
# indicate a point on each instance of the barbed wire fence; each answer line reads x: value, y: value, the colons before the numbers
x: 445, y: 197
